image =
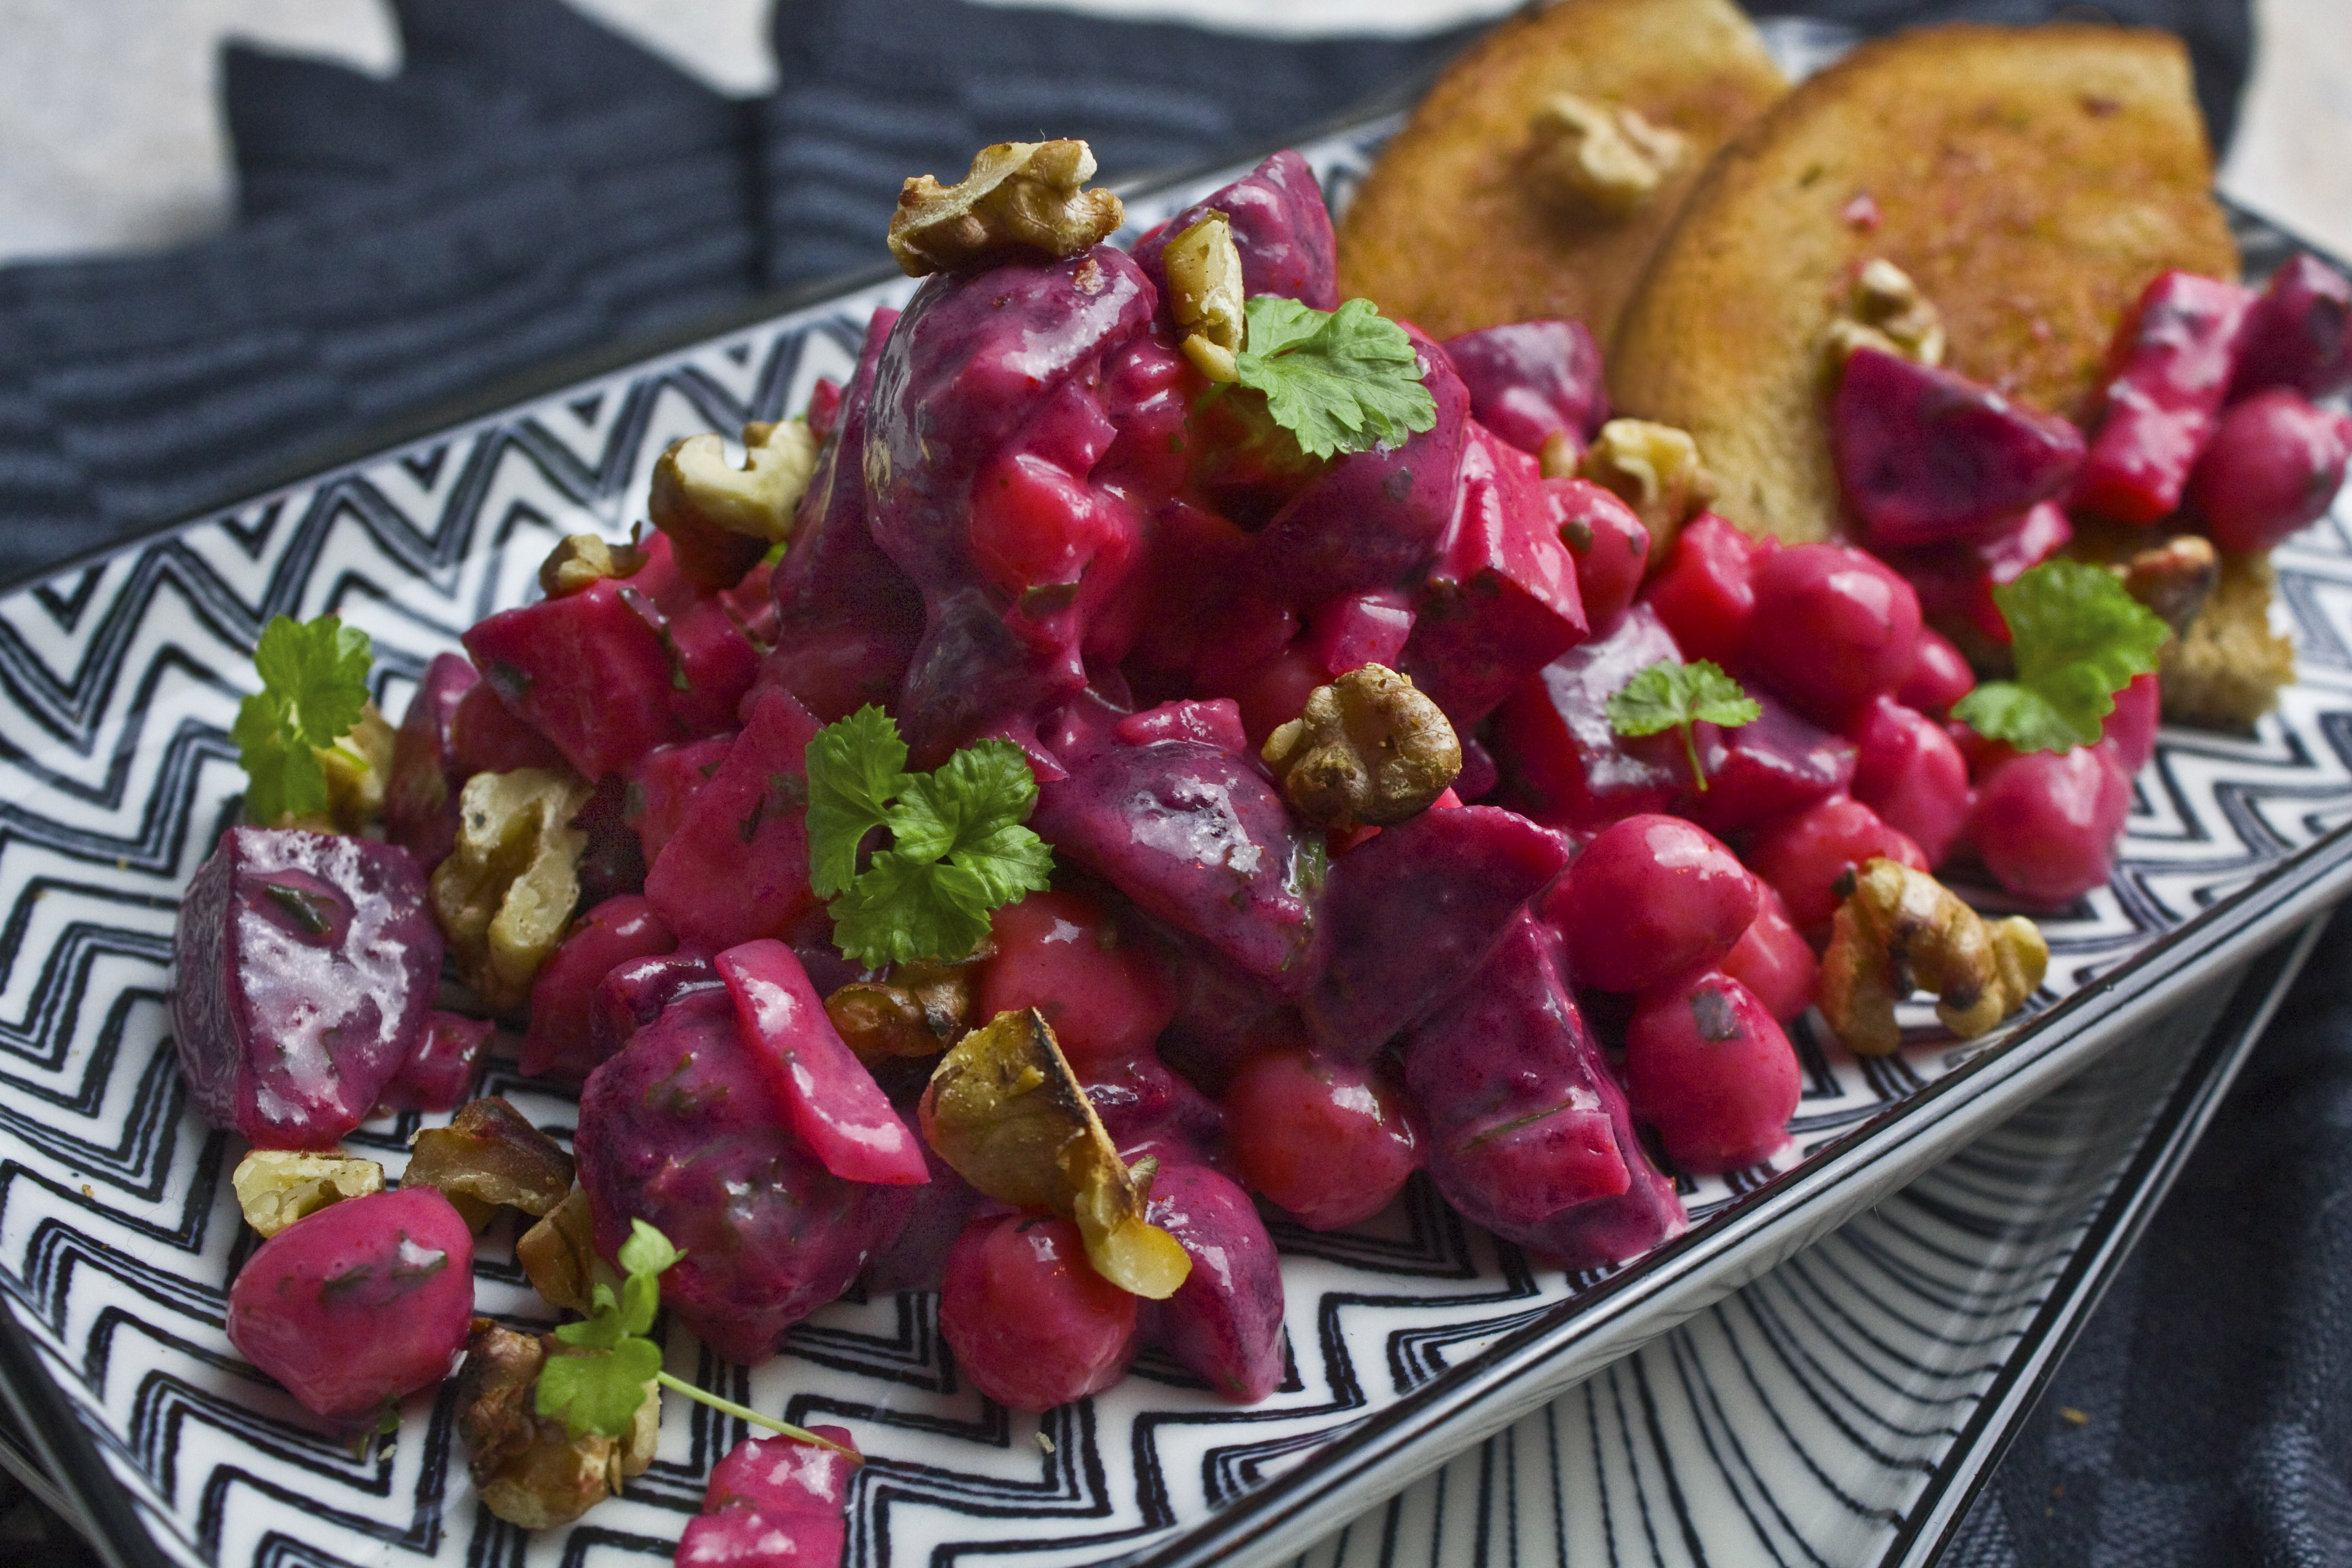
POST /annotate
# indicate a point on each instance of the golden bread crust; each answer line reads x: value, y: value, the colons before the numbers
x: 1448, y: 234
x: 2032, y: 181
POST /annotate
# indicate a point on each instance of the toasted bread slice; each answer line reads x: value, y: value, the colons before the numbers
x: 2031, y: 182
x: 1448, y: 230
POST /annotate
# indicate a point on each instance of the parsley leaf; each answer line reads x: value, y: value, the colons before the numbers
x: 601, y: 1391
x: 1339, y: 381
x: 2079, y: 638
x: 1672, y: 695
x: 314, y: 684
x: 958, y: 849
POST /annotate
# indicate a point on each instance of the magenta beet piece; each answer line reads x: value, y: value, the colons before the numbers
x: 586, y: 670
x: 1608, y: 544
x: 1197, y: 836
x: 1501, y: 600
x: 439, y: 1073
x: 1912, y: 773
x: 2299, y: 334
x: 1372, y: 519
x: 737, y: 866
x: 1777, y: 763
x: 1955, y: 582
x: 2045, y: 823
x: 1773, y: 959
x: 1926, y: 455
x: 1031, y: 1322
x: 1707, y: 1066
x: 2274, y: 465
x: 682, y: 1130
x: 1523, y: 1129
x: 1326, y: 1140
x: 1651, y: 898
x: 1063, y: 953
x: 784, y: 1476
x: 1805, y: 857
x: 1939, y: 675
x: 829, y: 1096
x: 1706, y: 594
x: 1844, y: 629
x: 1530, y: 379
x: 663, y: 784
x: 916, y: 1256
x: 2171, y: 365
x: 1412, y: 915
x: 558, y: 1042
x: 715, y: 664
x: 1568, y: 761
x: 420, y: 798
x: 1215, y: 721
x: 1280, y: 227
x: 484, y: 737
x: 2131, y: 725
x: 1150, y: 1111
x: 1224, y: 1322
x: 307, y: 962
x: 636, y: 990
x: 743, y: 1537
x: 613, y: 860
x: 354, y: 1305
x: 1357, y: 630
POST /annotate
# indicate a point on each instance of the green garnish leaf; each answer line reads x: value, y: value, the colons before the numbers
x: 1668, y: 694
x: 314, y: 684
x: 2078, y: 639
x: 602, y: 1391
x: 958, y: 846
x: 1339, y: 381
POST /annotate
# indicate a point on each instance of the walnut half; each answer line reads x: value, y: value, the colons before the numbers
x: 1901, y: 930
x: 1598, y: 160
x: 274, y: 1187
x: 1370, y: 750
x: 1886, y: 311
x: 1204, y: 294
x: 1653, y: 469
x: 527, y: 1470
x: 505, y: 895
x: 1019, y: 197
x: 694, y: 482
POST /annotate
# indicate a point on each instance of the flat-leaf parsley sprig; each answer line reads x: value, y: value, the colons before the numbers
x: 600, y: 1392
x: 1669, y: 695
x: 958, y: 849
x: 2078, y: 639
x: 314, y: 685
x: 1339, y: 381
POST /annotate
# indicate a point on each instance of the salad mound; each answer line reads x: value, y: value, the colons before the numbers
x: 1162, y: 746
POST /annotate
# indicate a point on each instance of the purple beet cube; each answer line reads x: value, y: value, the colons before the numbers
x: 1570, y: 766
x: 2300, y: 333
x: 737, y: 868
x: 439, y: 1073
x: 420, y: 798
x: 1281, y: 229
x: 1224, y: 1322
x: 784, y: 1476
x: 559, y: 1041
x: 1926, y: 455
x: 588, y: 670
x: 1414, y: 912
x: 1776, y: 763
x: 2172, y: 362
x: 307, y: 964
x: 1529, y: 380
x: 744, y: 1537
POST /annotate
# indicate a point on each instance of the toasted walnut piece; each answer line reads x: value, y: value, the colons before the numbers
x: 527, y: 1470
x: 1018, y: 197
x: 1654, y: 469
x: 1204, y: 294
x: 559, y: 1254
x: 505, y: 895
x: 1006, y: 1111
x: 1901, y: 930
x: 1369, y: 749
x: 487, y: 1156
x: 2174, y: 579
x: 1558, y: 455
x: 694, y: 482
x: 1885, y: 311
x: 584, y: 560
x: 274, y: 1187
x: 1597, y: 159
x: 920, y: 1011
x: 355, y: 768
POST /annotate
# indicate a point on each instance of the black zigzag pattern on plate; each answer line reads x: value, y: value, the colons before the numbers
x: 118, y: 683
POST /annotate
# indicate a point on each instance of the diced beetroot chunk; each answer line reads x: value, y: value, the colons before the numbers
x: 484, y: 737
x: 559, y: 1042
x: 1925, y: 454
x: 1412, y: 913
x: 1214, y: 721
x: 1706, y: 594
x: 1913, y: 775
x: 1939, y: 675
x: 1576, y: 771
x: 307, y: 962
x: 1651, y: 898
x: 835, y: 1104
x: 1224, y: 1322
x: 1955, y: 582
x: 742, y: 1536
x: 420, y: 798
x: 663, y: 785
x: 1061, y: 953
x: 1524, y: 1130
x: 716, y: 665
x: 1357, y: 630
x: 635, y: 993
x: 1706, y: 1065
x: 1321, y: 1138
x: 1502, y: 600
x: 1529, y: 379
x: 1148, y: 1111
x: 359, y: 1303
x: 1804, y: 855
x: 1608, y: 544
x: 1774, y: 961
x: 439, y: 1073
x: 782, y: 1475
x: 1777, y: 763
x: 2274, y: 465
x: 584, y: 670
x: 2171, y: 365
x: 737, y: 866
x: 1031, y: 1322
x: 2299, y: 334
x: 1844, y: 627
x: 2132, y: 723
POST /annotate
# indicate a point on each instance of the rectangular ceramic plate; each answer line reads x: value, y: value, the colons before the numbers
x: 1410, y: 1339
